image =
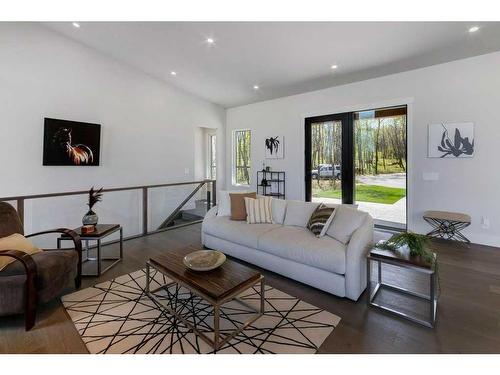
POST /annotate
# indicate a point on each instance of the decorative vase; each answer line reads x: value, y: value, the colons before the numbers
x: 90, y: 218
x: 404, y: 250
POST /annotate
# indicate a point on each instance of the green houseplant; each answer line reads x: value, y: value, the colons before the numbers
x: 417, y: 245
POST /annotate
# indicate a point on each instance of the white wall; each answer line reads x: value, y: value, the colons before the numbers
x: 147, y: 134
x: 464, y: 90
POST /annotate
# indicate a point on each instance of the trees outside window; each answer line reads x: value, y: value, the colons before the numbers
x: 212, y: 153
x: 242, y: 164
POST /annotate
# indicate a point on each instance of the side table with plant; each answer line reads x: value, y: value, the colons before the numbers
x: 416, y: 244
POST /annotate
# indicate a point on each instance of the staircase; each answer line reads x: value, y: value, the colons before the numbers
x: 188, y: 216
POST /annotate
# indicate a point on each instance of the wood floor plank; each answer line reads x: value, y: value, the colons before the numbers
x: 468, y: 318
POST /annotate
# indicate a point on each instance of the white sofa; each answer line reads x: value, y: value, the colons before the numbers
x: 287, y: 247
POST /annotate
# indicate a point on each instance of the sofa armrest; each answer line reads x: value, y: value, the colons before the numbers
x: 78, y: 248
x: 211, y: 213
x: 357, y: 249
x: 30, y: 268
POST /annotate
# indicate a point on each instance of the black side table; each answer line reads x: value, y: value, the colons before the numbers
x: 407, y: 262
x: 101, y: 231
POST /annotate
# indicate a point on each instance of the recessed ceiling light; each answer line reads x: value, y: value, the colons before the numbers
x: 473, y: 29
x: 210, y: 41
x: 173, y: 73
x: 334, y: 66
x: 255, y: 87
x: 76, y: 24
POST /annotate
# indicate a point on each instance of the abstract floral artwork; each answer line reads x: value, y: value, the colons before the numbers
x: 451, y: 140
x: 274, y: 147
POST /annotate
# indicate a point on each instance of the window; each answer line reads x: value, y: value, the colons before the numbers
x: 212, y: 157
x: 241, y: 161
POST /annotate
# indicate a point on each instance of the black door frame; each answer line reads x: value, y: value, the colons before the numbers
x: 348, y: 174
x: 347, y: 164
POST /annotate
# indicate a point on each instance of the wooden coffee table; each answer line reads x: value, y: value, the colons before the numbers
x: 217, y: 287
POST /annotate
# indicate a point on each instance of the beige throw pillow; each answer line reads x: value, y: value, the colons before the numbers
x: 15, y: 241
x: 298, y: 213
x: 259, y: 210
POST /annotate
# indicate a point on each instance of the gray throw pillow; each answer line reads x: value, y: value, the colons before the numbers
x: 298, y: 213
x: 345, y: 222
x: 278, y: 210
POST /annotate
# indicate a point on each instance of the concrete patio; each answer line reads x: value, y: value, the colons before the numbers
x: 385, y: 214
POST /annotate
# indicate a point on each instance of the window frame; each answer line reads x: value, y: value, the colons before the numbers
x: 348, y: 152
x: 211, y: 167
x: 233, y: 159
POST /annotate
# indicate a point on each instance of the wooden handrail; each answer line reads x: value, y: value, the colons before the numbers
x: 51, y: 195
x: 211, y: 198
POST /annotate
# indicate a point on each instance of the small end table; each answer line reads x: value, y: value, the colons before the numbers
x: 408, y: 262
x: 101, y: 231
x: 447, y: 225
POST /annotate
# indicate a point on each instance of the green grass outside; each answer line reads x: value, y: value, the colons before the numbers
x: 367, y: 193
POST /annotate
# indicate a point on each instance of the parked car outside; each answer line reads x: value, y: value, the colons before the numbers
x: 326, y: 171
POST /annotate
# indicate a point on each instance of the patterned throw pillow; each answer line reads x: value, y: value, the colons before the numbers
x: 320, y: 220
x: 259, y: 210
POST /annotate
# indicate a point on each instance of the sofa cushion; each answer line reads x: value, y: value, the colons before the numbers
x: 236, y: 231
x: 278, y: 210
x: 298, y: 213
x: 345, y: 222
x: 300, y: 245
x: 56, y: 270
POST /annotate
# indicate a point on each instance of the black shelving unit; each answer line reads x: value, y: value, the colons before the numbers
x: 275, y: 184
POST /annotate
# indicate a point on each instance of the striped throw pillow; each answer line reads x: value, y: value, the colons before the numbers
x: 320, y: 220
x: 259, y: 210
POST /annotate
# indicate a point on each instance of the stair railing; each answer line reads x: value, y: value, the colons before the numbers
x: 211, y: 197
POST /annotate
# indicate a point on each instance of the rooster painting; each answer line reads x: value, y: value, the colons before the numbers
x: 78, y: 154
x: 71, y: 143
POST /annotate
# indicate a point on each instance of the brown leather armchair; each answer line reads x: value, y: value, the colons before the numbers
x: 37, y: 278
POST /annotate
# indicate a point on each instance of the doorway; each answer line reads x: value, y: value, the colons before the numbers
x: 360, y: 158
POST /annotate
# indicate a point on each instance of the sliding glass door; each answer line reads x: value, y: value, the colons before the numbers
x: 360, y: 158
x: 380, y: 164
x: 326, y: 160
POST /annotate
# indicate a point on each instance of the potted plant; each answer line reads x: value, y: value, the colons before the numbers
x: 91, y: 217
x: 416, y: 244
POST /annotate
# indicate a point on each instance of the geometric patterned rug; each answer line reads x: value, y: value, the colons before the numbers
x: 118, y: 317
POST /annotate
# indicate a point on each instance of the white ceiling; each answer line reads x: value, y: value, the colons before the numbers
x: 283, y: 58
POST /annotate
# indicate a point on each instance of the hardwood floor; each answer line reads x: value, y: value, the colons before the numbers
x: 468, y: 318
